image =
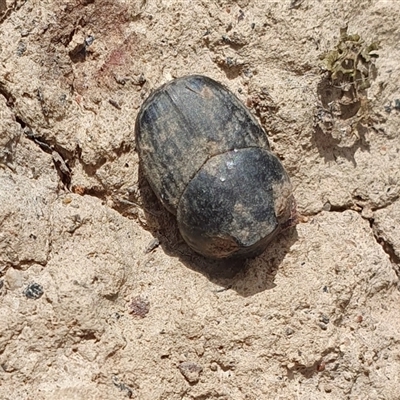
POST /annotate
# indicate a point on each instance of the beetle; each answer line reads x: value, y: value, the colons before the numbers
x: 209, y: 162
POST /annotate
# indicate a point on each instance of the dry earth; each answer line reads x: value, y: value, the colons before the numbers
x: 89, y: 310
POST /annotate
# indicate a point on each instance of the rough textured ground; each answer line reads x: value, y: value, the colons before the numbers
x: 315, y: 317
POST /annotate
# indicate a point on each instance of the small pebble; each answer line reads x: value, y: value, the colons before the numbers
x: 33, y: 291
x: 324, y: 319
x: 327, y: 206
x: 323, y: 326
x: 153, y: 244
x: 289, y: 331
x: 139, y: 307
x: 321, y: 366
x: 359, y: 318
x: 191, y: 371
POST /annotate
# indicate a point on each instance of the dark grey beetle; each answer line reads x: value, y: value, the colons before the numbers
x: 209, y: 162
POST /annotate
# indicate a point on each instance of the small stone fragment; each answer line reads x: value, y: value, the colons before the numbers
x: 191, y: 371
x: 289, y: 331
x: 33, y: 291
x: 324, y: 319
x: 321, y: 366
x: 122, y: 387
x: 139, y: 307
x: 322, y: 326
x: 153, y: 244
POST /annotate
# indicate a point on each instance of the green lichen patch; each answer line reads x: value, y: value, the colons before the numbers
x: 351, y: 61
x: 343, y: 110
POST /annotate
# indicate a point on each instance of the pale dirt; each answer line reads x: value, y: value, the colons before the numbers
x: 315, y: 317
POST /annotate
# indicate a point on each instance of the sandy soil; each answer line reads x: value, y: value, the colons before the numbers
x: 92, y: 308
